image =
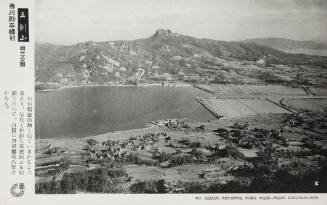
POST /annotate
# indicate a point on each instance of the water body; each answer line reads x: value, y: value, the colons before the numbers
x: 87, y: 111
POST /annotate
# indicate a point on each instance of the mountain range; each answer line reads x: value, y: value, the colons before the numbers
x: 282, y: 43
x: 174, y: 57
x: 293, y: 46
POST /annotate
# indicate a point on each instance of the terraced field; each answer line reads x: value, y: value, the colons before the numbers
x: 242, y: 107
x: 189, y: 172
x: 140, y: 172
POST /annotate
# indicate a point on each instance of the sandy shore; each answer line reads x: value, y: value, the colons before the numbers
x: 114, y: 135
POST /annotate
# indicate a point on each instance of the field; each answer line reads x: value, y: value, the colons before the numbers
x: 319, y: 91
x: 314, y: 104
x: 242, y: 107
x: 254, y: 89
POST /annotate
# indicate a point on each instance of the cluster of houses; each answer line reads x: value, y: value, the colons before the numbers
x: 141, y: 146
x: 172, y: 123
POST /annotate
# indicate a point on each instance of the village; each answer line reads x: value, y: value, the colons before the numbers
x: 180, y: 156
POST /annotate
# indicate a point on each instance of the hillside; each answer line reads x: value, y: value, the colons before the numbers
x: 168, y: 56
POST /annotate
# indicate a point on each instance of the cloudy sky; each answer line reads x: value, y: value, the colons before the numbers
x: 72, y: 21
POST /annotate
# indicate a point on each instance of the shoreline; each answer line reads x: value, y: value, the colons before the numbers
x: 119, y: 134
x: 174, y: 85
x: 149, y: 126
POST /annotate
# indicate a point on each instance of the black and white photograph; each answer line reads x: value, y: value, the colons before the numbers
x: 180, y: 96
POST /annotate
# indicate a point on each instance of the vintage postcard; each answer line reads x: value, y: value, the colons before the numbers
x: 163, y: 102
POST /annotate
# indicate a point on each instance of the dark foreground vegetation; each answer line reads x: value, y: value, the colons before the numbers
x: 100, y: 180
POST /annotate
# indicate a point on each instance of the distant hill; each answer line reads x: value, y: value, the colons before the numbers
x: 292, y: 46
x: 164, y: 55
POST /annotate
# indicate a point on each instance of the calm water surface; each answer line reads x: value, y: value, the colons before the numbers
x: 85, y: 111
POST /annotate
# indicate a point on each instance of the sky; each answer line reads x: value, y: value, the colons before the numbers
x: 73, y: 21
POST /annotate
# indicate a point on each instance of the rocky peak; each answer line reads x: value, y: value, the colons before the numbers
x: 163, y: 32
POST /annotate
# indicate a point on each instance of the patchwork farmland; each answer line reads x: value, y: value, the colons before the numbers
x: 233, y: 101
x: 252, y: 89
x: 230, y: 108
